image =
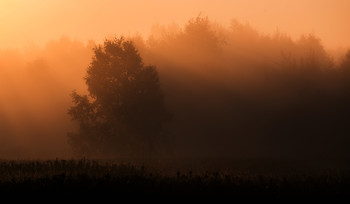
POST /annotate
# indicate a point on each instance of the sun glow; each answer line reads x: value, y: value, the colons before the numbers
x: 35, y: 22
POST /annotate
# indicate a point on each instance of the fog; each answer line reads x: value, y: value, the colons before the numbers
x: 35, y: 88
x: 24, y: 23
x: 239, y: 83
x: 237, y: 92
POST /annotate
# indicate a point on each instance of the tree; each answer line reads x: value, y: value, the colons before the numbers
x: 124, y: 113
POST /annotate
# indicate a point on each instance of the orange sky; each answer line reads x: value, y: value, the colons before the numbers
x: 24, y: 23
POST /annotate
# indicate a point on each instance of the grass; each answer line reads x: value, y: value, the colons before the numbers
x: 241, y: 179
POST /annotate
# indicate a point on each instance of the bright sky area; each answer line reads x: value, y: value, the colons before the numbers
x: 34, y: 22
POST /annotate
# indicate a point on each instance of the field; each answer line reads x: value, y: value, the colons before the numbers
x: 195, y: 178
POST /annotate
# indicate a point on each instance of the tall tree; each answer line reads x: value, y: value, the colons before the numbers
x: 124, y: 113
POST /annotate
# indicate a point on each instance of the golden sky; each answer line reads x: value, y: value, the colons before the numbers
x: 27, y: 22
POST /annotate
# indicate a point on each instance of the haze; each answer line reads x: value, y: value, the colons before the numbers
x: 23, y: 23
x: 225, y: 69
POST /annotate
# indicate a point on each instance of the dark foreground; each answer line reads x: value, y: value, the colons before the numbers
x: 239, y: 180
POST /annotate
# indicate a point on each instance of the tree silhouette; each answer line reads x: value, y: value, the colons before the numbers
x: 124, y: 112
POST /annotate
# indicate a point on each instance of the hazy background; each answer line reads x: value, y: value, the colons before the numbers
x: 210, y: 70
x: 24, y: 23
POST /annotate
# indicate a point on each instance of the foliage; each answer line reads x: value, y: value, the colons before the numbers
x: 124, y: 112
x: 243, y: 92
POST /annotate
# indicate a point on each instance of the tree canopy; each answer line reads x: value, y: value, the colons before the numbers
x: 124, y: 113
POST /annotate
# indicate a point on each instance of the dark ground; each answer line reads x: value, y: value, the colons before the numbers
x: 200, y: 178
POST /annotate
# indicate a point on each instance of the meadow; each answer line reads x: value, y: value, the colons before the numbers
x: 177, y: 177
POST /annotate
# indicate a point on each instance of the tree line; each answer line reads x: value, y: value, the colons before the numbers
x: 228, y: 92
